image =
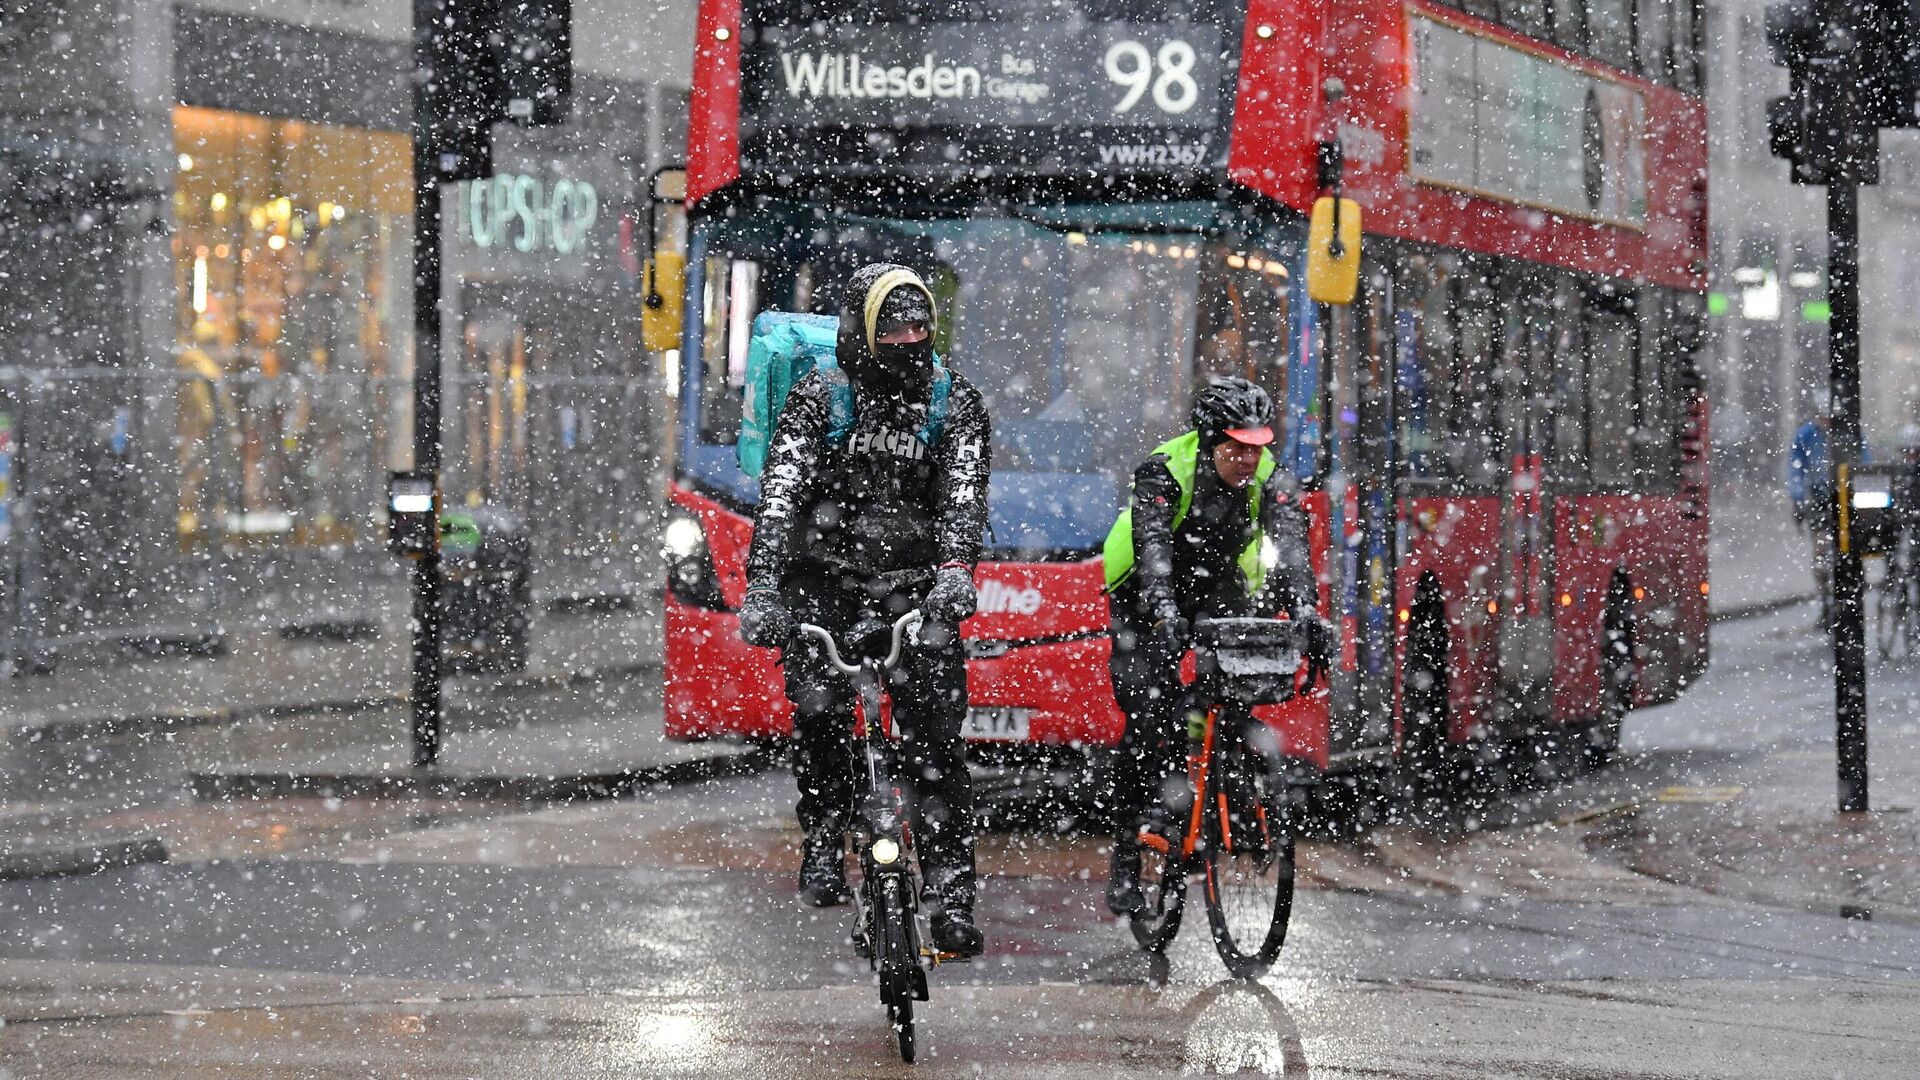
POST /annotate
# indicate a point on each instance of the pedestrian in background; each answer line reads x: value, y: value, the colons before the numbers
x: 1810, y: 487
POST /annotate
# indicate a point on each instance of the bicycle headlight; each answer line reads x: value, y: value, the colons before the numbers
x: 885, y: 851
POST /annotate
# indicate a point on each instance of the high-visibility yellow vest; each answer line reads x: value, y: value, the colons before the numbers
x: 1183, y: 461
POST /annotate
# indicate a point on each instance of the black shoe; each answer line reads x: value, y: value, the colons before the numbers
x: 823, y: 871
x: 1123, y: 884
x: 955, y: 934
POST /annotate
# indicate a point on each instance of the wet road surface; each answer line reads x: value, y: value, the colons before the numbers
x: 520, y: 947
x: 659, y: 936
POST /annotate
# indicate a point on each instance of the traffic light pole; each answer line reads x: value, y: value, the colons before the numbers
x: 425, y: 695
x: 1849, y: 578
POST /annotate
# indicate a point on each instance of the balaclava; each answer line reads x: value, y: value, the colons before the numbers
x: 882, y: 297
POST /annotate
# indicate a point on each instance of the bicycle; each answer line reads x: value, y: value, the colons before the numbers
x: 888, y: 927
x: 1883, y: 525
x: 1239, y: 831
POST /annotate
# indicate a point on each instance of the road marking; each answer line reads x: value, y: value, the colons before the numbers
x: 1724, y: 794
x: 1598, y: 813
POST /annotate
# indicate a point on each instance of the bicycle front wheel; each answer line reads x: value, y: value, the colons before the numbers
x: 1249, y: 863
x: 896, y: 961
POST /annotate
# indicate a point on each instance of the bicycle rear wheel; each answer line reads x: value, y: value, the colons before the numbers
x: 1163, y: 883
x: 1249, y: 862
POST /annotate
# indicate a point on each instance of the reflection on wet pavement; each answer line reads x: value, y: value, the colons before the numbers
x: 1290, y: 1028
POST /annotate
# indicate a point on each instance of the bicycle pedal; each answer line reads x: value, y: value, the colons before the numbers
x: 939, y: 957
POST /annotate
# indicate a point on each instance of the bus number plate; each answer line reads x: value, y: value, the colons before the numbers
x: 1002, y: 723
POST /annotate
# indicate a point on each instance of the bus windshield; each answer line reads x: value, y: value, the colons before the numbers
x: 1085, y: 341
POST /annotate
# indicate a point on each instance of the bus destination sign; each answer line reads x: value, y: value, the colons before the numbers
x: 1077, y: 98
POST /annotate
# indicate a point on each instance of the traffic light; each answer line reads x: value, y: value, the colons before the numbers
x: 1896, y: 65
x: 537, y: 60
x: 1794, y: 31
x: 1827, y: 126
x: 481, y: 61
x: 457, y: 86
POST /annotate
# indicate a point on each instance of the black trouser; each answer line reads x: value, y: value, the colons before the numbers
x: 929, y: 692
x: 1147, y: 687
x: 1146, y: 684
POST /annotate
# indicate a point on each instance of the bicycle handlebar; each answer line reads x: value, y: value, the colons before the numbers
x: 820, y: 633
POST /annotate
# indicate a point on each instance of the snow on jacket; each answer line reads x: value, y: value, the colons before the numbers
x: 879, y: 502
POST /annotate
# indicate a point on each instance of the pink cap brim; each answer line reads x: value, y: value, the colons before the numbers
x: 1252, y: 436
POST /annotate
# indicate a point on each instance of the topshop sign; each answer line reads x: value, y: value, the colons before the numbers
x: 529, y: 213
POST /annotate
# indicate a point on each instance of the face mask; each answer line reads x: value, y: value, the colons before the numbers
x: 902, y: 368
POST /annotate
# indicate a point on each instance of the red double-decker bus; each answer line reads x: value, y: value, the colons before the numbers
x: 1502, y: 437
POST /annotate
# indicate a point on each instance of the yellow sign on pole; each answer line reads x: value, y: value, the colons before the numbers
x: 662, y: 298
x: 1333, y: 251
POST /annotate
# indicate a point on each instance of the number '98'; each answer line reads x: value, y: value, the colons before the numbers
x: 1129, y: 64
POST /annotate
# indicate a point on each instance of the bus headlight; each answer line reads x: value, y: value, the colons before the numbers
x: 683, y: 538
x: 885, y: 851
x: 691, y: 578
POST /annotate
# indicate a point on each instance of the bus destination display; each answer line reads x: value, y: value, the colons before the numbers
x: 1051, y: 97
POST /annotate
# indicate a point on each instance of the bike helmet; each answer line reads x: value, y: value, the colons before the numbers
x: 1235, y: 408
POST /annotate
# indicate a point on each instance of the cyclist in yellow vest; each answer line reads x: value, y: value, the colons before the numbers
x: 1211, y: 529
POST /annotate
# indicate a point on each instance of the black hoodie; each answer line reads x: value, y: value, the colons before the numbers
x: 881, y: 502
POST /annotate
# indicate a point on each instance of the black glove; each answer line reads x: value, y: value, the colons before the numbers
x: 1174, y: 631
x: 952, y: 597
x: 1315, y: 638
x: 765, y: 620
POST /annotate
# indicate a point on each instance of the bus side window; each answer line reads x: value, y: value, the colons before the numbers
x: 1472, y: 438
x: 1423, y: 346
x: 1612, y: 349
x: 1656, y: 449
x: 1572, y: 461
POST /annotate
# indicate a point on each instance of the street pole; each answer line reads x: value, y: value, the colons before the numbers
x: 425, y: 696
x: 1849, y: 579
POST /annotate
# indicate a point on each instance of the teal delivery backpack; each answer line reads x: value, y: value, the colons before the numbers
x: 785, y: 346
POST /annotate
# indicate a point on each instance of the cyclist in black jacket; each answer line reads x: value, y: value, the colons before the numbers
x: 1211, y: 529
x: 887, y: 519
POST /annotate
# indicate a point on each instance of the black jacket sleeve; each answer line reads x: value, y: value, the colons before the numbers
x: 794, y: 458
x: 1290, y: 584
x: 1155, y: 495
x: 964, y: 459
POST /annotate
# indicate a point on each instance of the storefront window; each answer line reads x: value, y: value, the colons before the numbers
x: 290, y: 265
